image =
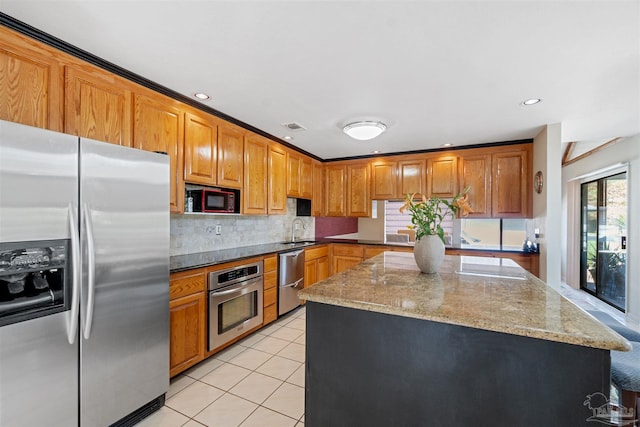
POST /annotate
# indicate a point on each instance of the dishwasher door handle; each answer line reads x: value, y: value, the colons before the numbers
x: 292, y: 285
x: 292, y: 254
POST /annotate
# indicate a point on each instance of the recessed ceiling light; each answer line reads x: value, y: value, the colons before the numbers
x: 446, y: 145
x: 376, y: 152
x: 364, y: 130
x: 201, y: 95
x: 531, y: 101
x: 287, y: 137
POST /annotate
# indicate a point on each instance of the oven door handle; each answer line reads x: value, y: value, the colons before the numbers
x: 293, y: 285
x: 236, y: 288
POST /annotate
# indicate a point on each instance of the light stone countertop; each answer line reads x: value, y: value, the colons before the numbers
x: 493, y: 294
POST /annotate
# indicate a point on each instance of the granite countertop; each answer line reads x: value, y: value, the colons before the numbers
x: 485, y: 293
x: 205, y: 259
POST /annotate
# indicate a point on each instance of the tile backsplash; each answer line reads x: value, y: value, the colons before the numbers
x: 196, y: 233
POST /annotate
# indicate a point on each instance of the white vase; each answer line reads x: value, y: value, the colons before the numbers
x: 429, y: 253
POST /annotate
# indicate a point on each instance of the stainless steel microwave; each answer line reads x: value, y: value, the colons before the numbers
x: 213, y: 200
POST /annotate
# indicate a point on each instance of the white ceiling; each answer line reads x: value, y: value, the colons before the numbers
x: 434, y: 71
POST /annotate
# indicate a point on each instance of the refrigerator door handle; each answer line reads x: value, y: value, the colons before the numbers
x: 91, y: 272
x: 72, y: 315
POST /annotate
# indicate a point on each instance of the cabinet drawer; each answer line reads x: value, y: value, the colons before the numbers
x: 348, y: 250
x: 270, y: 314
x: 270, y: 296
x: 270, y: 263
x: 186, y: 283
x: 314, y: 253
x: 270, y: 279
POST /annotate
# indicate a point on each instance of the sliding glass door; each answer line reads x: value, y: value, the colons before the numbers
x: 603, y: 255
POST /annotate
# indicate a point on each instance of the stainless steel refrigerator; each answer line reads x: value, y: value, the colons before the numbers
x: 84, y: 280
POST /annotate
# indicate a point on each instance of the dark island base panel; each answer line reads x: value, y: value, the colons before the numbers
x: 372, y: 369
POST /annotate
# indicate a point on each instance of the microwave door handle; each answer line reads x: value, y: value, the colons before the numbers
x: 91, y: 272
x: 72, y: 316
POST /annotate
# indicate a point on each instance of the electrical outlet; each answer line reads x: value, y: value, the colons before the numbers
x: 297, y: 226
x: 218, y: 229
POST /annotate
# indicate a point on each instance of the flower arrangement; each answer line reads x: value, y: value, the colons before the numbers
x: 427, y: 214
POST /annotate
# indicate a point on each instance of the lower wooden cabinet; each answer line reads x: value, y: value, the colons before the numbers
x: 187, y: 324
x: 345, y: 256
x: 270, y: 296
x: 316, y: 265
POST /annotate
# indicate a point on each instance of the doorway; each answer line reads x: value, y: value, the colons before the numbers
x: 603, y: 248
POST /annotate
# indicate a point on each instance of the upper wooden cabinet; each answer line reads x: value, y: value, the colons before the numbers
x: 294, y: 163
x: 499, y: 181
x: 442, y: 176
x: 335, y: 190
x: 394, y: 180
x: 31, y: 83
x: 158, y: 125
x: 254, y: 197
x: 200, y: 149
x: 475, y: 171
x: 306, y: 178
x: 230, y: 156
x: 317, y: 200
x: 511, y: 189
x: 384, y: 180
x: 97, y: 106
x: 277, y: 180
x: 412, y: 177
x: 358, y: 190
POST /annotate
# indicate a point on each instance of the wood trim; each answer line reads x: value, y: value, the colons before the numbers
x: 567, y: 152
x: 590, y: 152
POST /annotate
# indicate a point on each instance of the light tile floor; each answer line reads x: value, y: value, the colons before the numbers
x: 258, y: 381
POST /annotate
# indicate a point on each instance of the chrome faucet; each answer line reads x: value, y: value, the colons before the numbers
x: 293, y: 229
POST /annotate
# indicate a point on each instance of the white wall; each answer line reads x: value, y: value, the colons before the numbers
x: 625, y: 151
x: 547, y: 213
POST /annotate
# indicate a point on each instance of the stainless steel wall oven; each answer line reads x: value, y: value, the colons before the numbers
x: 235, y: 302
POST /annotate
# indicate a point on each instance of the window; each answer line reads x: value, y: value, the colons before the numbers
x: 603, y: 241
x: 494, y: 233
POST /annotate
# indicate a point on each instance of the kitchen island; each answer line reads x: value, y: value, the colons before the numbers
x: 481, y: 343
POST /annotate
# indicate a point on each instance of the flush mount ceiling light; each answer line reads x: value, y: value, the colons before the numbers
x: 201, y: 95
x: 531, y: 101
x: 364, y: 130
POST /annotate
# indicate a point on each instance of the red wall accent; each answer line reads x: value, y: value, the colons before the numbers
x: 332, y: 226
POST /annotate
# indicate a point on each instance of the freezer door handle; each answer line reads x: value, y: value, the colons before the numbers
x: 91, y: 272
x: 72, y: 315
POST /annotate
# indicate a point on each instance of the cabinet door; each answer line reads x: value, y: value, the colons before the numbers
x: 277, y: 180
x: 256, y: 152
x: 306, y: 179
x: 335, y: 190
x: 97, y: 106
x: 317, y: 201
x: 310, y: 272
x: 159, y: 126
x: 200, y: 150
x: 187, y: 332
x: 358, y: 190
x: 230, y: 156
x: 384, y: 182
x: 294, y: 164
x: 342, y: 262
x: 509, y: 190
x: 475, y: 171
x: 31, y: 86
x: 322, y: 270
x: 412, y: 178
x: 442, y: 176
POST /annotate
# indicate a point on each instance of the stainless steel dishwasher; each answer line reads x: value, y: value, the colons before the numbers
x: 290, y: 280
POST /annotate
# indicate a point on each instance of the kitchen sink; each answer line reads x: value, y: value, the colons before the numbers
x: 299, y: 243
